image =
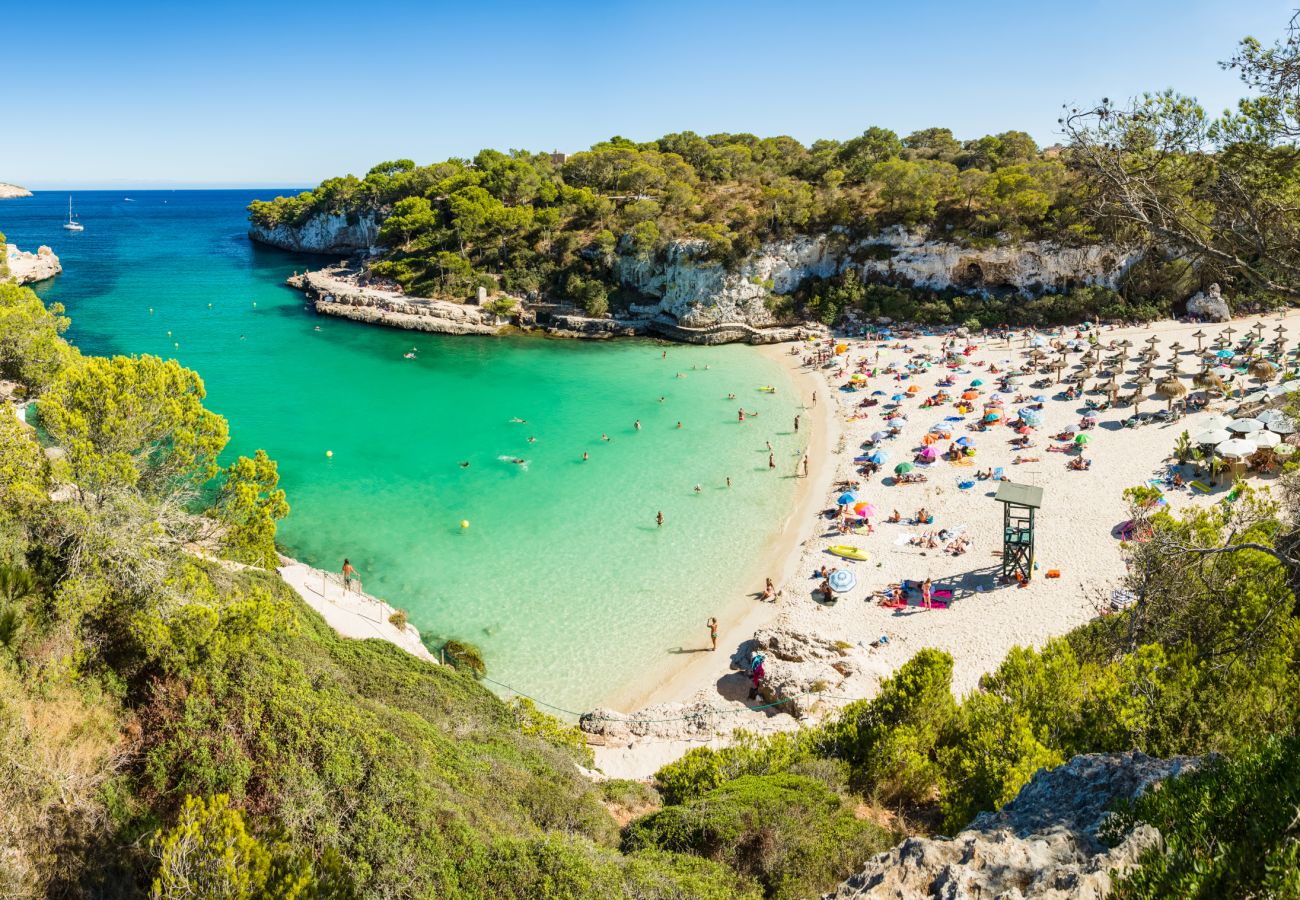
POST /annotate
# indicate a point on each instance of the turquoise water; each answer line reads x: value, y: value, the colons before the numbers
x: 562, y: 577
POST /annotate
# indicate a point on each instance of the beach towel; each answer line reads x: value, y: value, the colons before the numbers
x: 903, y: 540
x: 1200, y: 486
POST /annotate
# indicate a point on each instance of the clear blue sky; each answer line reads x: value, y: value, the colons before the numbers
x: 287, y: 93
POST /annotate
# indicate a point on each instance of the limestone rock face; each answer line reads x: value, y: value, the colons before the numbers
x: 698, y: 292
x: 9, y: 191
x: 1209, y: 305
x: 334, y: 234
x: 29, y: 268
x: 1041, y: 845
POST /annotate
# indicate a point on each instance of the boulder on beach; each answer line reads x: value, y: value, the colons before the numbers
x: 1209, y: 305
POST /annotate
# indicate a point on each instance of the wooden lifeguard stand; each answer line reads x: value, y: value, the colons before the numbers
x: 1019, y: 502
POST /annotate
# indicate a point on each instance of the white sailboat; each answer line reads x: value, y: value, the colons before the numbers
x: 72, y: 224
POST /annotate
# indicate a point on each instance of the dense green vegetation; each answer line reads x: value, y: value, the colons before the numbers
x: 525, y: 224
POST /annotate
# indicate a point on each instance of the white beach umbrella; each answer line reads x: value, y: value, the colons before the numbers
x: 1282, y: 426
x: 1216, y: 421
x: 1245, y: 426
x: 1267, y: 439
x: 1255, y: 397
x: 1237, y: 447
x: 1212, y: 436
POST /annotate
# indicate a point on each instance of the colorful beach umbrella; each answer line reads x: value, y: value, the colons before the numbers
x: 1081, y: 439
x: 864, y: 508
x: 970, y: 395
x: 928, y: 453
x: 992, y: 416
x: 902, y: 468
x: 881, y: 456
x: 964, y: 441
x: 977, y: 382
x: 846, y: 498
x: 842, y: 580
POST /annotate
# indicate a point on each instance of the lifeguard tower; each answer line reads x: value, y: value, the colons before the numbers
x: 1019, y: 502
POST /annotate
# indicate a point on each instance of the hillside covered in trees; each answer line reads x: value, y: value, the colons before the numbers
x: 1203, y: 199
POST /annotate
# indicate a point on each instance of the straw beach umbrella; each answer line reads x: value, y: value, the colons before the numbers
x: 1200, y: 336
x: 1171, y: 389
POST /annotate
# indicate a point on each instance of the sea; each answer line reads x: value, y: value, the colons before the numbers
x: 454, y: 481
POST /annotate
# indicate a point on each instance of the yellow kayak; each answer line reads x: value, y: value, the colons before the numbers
x: 847, y: 552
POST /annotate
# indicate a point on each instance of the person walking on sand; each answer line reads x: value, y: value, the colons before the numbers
x: 659, y: 519
x: 769, y: 446
x: 771, y: 461
x: 814, y: 398
x: 796, y: 424
x: 805, y: 465
x: 713, y: 633
x: 350, y: 575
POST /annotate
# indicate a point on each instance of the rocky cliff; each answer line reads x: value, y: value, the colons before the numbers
x: 1041, y: 845
x: 698, y: 292
x: 9, y: 191
x: 333, y: 234
x: 29, y: 268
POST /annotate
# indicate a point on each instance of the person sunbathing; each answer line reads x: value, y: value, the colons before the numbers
x: 895, y: 518
x: 1020, y: 460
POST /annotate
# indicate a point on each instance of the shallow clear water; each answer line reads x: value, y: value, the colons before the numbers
x: 562, y: 577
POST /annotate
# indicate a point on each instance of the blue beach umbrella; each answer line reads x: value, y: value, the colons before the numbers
x: 898, y: 398
x: 978, y: 382
x: 1225, y: 354
x: 965, y: 442
x: 879, y: 457
x: 879, y: 436
x: 842, y: 580
x: 877, y: 393
x: 846, y: 498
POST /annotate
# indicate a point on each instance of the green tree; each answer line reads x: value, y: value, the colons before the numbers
x: 31, y: 349
x: 134, y: 422
x: 249, y: 503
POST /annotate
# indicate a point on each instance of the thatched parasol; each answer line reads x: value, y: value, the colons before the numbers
x: 1200, y: 336
x: 1262, y: 369
x: 1171, y: 389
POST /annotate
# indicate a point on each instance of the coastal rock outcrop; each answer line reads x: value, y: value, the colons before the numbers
x: 1043, y: 844
x: 1209, y: 305
x: 798, y: 668
x: 696, y: 291
x: 337, y: 292
x: 10, y: 191
x: 29, y: 268
x: 323, y: 233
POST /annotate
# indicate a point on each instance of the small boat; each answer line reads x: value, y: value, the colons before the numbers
x: 768, y: 389
x: 847, y: 552
x: 72, y: 224
x: 127, y: 200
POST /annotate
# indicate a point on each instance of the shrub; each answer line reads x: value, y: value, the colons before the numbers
x: 791, y: 834
x: 464, y: 657
x: 398, y: 619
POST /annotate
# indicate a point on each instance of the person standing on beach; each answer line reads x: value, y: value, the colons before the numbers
x: 350, y: 575
x: 659, y: 519
x: 796, y: 424
x: 713, y: 633
x: 771, y: 461
x: 814, y: 398
x: 769, y: 446
x: 805, y: 465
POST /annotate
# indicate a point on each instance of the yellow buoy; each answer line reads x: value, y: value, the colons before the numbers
x: 464, y: 523
x: 329, y: 453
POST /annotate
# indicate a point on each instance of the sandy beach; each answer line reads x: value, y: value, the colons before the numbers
x: 984, y: 618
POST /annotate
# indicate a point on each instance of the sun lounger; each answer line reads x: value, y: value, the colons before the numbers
x: 1199, y: 486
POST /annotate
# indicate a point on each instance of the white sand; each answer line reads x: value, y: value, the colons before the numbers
x: 1074, y: 526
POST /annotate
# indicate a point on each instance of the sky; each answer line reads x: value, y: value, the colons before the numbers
x: 285, y: 94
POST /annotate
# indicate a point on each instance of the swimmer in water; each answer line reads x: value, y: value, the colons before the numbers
x: 731, y: 396
x: 519, y: 462
x: 465, y: 464
x: 584, y: 456
x: 661, y: 399
x: 518, y: 421
x: 532, y: 440
x: 679, y: 424
x: 728, y: 481
x: 317, y: 328
x: 409, y: 355
x: 604, y: 437
x: 637, y: 424
x: 659, y: 520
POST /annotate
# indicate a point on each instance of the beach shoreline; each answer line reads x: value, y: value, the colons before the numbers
x: 744, y: 613
x: 1077, y: 540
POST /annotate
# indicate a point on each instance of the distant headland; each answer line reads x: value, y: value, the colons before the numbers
x: 10, y: 191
